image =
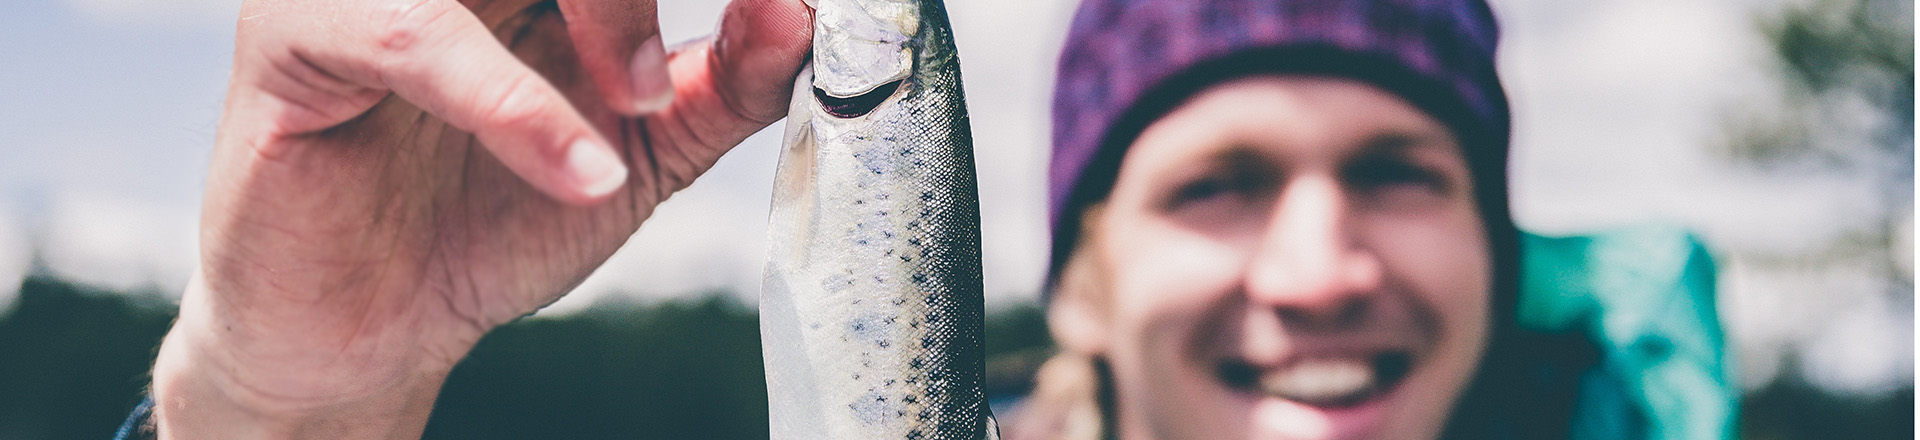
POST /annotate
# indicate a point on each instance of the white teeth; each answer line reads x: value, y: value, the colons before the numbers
x: 1320, y: 381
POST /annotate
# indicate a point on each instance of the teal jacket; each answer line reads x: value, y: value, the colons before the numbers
x: 1645, y: 297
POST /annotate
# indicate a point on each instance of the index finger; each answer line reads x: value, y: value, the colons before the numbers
x: 619, y: 45
x: 440, y: 57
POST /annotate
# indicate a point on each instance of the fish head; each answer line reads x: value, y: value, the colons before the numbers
x: 861, y: 47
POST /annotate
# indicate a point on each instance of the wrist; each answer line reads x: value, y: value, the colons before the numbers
x: 212, y: 380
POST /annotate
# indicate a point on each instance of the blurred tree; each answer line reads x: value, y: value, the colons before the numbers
x: 74, y: 361
x: 1846, y: 82
x: 1017, y: 343
x: 1846, y: 110
x: 682, y: 369
x: 1847, y: 76
x: 1791, y: 410
x: 74, y: 358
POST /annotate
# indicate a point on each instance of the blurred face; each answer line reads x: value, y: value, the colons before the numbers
x: 1283, y: 258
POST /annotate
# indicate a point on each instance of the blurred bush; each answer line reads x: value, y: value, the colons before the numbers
x: 73, y: 361
x: 686, y: 369
x: 1842, y: 106
x: 1844, y: 74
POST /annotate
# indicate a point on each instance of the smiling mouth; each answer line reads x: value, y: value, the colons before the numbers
x: 1322, y: 382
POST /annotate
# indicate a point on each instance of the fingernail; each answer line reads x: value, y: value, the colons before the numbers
x: 595, y: 168
x: 652, y: 88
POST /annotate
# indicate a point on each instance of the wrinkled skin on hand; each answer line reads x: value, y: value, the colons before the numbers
x: 358, y: 238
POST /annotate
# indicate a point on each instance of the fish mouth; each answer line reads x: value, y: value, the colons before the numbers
x: 1324, y: 382
x: 857, y: 105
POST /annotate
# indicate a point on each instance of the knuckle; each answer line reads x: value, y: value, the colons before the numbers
x: 406, y: 24
x: 519, y: 103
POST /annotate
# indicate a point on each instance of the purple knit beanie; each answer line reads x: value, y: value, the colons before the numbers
x: 1129, y: 62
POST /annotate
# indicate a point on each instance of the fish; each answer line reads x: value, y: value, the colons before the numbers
x: 871, y: 311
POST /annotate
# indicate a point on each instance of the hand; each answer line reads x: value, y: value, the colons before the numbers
x: 390, y: 181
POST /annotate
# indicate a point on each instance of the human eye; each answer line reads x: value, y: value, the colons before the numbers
x: 1384, y: 173
x: 1222, y: 186
x: 1203, y: 189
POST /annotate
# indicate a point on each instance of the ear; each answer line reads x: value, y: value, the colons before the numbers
x: 1078, y: 315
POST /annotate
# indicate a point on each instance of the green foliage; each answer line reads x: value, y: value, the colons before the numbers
x: 1825, y: 46
x: 73, y: 362
x: 1847, y: 69
x: 1017, y: 343
x: 74, y: 359
x: 1792, y: 410
x: 677, y: 370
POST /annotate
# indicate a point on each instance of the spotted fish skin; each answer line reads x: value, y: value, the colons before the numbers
x: 871, y: 316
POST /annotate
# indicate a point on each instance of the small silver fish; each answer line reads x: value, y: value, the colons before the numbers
x: 870, y: 320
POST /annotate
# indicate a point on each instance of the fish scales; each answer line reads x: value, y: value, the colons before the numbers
x: 872, y: 309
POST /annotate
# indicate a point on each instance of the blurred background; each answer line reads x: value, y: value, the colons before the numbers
x: 1781, y: 131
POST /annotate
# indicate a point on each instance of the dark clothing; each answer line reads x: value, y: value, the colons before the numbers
x: 139, y: 425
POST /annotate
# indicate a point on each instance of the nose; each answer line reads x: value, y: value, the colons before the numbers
x: 1308, y: 262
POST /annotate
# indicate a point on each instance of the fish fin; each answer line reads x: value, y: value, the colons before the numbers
x: 800, y: 108
x: 794, y: 176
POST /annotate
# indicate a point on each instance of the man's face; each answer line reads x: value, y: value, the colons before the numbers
x: 1283, y: 258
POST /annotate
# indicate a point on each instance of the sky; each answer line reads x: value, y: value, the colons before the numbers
x: 109, y: 107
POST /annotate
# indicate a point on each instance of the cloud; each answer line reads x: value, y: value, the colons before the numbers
x: 1848, y: 333
x: 119, y: 242
x: 159, y: 13
x: 1008, y: 50
x: 1616, y: 108
x: 1869, y: 353
x: 686, y: 20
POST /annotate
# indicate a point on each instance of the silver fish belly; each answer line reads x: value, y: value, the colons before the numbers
x: 871, y: 316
